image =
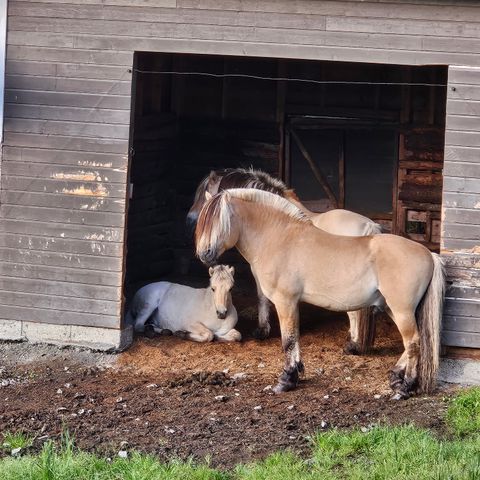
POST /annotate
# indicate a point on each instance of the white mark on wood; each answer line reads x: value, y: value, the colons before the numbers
x: 82, y: 176
x: 97, y: 191
x: 91, y: 164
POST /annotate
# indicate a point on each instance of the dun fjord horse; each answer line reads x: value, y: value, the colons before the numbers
x: 198, y: 314
x: 293, y: 261
x: 338, y: 222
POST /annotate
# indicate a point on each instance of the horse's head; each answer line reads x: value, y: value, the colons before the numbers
x: 209, y: 184
x: 221, y: 283
x: 216, y: 231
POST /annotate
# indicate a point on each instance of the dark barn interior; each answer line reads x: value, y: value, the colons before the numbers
x: 374, y: 133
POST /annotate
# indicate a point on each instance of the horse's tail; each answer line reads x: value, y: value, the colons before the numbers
x: 373, y: 228
x: 366, y: 329
x: 429, y: 319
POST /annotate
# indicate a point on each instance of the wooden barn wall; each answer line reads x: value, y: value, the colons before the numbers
x: 461, y: 208
x: 67, y: 111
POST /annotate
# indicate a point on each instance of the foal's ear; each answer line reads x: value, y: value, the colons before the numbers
x: 208, y: 195
x: 210, y: 271
x: 231, y: 270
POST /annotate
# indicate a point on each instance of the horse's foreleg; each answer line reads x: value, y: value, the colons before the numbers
x: 289, y: 327
x: 231, y: 336
x: 197, y: 332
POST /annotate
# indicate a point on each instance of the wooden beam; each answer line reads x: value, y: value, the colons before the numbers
x: 316, y: 171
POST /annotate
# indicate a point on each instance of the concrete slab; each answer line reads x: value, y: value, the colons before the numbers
x: 459, y: 371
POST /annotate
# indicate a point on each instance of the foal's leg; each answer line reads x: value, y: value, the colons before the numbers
x: 231, y: 336
x: 289, y: 327
x: 197, y: 332
x: 403, y: 377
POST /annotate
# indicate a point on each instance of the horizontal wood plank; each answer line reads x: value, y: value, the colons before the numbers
x: 462, y: 153
x: 68, y: 99
x: 58, y: 317
x: 461, y: 184
x: 81, y: 129
x: 75, y: 188
x: 73, y: 114
x: 461, y: 324
x: 461, y: 339
x: 462, y: 215
x: 60, y: 201
x: 59, y: 259
x: 463, y: 307
x: 65, y: 304
x: 66, y: 289
x: 462, y: 169
x: 37, y: 243
x: 70, y: 142
x: 461, y: 200
x: 98, y: 237
x: 80, y: 159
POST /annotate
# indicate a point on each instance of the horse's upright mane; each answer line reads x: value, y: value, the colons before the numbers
x: 250, y: 178
x: 269, y: 199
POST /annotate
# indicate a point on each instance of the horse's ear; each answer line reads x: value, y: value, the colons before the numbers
x: 231, y: 270
x: 210, y: 271
x: 208, y: 195
x: 213, y: 177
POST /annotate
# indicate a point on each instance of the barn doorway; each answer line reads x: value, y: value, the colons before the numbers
x: 365, y: 137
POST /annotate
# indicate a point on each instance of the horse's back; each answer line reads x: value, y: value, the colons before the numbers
x: 345, y: 222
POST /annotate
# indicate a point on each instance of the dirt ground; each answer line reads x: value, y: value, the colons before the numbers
x: 177, y: 398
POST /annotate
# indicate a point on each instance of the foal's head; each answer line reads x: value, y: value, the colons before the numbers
x: 221, y: 284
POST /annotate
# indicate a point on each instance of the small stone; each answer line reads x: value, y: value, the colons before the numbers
x: 319, y: 371
x: 81, y: 411
x: 123, y: 454
x: 290, y: 407
x: 237, y: 394
x: 221, y: 398
x: 377, y: 396
x: 152, y: 385
x: 348, y: 378
x: 61, y: 409
x: 16, y: 451
x: 68, y: 385
x: 326, y: 397
x: 119, y: 400
x: 59, y: 391
x: 239, y: 376
x: 267, y: 388
x: 323, y: 424
x: 291, y: 437
x: 257, y: 408
x: 335, y: 390
x: 169, y: 430
x: 261, y: 365
x: 364, y: 429
x: 225, y: 370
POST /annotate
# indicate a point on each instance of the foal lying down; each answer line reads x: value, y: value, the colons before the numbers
x: 198, y: 314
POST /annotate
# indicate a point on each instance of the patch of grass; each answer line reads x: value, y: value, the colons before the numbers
x: 15, y: 440
x: 405, y: 452
x: 463, y: 414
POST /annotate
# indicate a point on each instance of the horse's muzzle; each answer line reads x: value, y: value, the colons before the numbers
x: 222, y: 314
x: 208, y: 257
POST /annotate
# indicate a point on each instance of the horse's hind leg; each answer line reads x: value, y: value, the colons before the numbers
x: 263, y: 330
x: 362, y: 332
x: 289, y: 327
x: 404, y: 376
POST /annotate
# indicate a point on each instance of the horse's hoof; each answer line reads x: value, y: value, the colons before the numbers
x: 282, y: 387
x: 149, y: 332
x: 261, y: 333
x: 166, y: 332
x: 351, y: 348
x: 400, y: 396
x: 181, y: 334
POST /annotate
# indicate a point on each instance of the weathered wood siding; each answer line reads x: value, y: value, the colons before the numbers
x: 65, y: 154
x: 461, y: 208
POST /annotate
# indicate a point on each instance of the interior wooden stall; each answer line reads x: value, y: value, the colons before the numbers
x: 366, y: 137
